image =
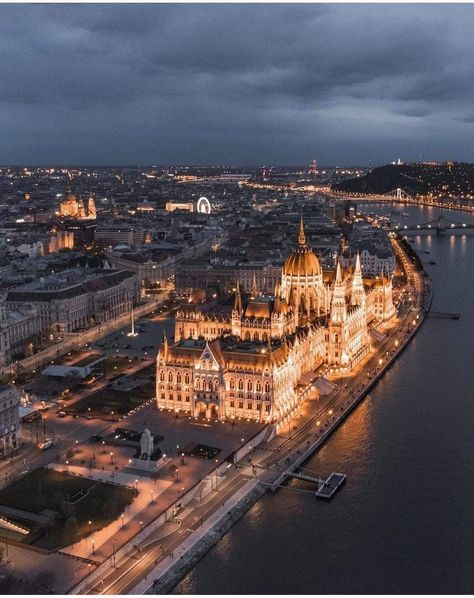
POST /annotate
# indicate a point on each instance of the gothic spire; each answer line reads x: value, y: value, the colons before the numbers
x: 165, y: 345
x: 238, y: 299
x: 357, y: 289
x: 254, y: 289
x: 301, y: 233
x: 338, y: 305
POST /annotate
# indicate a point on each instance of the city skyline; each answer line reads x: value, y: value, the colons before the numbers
x: 246, y: 84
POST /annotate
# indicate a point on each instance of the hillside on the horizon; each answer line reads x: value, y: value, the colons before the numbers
x: 455, y: 179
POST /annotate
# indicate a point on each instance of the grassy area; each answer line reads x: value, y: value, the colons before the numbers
x: 118, y: 365
x: 109, y: 404
x: 72, y: 502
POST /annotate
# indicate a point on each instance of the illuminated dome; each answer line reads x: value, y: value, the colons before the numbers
x: 302, y: 261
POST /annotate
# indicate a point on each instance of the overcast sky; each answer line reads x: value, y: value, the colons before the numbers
x: 248, y: 84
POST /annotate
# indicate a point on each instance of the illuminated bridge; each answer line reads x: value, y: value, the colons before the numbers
x: 438, y: 226
x: 398, y: 194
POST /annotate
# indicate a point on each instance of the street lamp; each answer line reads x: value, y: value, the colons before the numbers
x: 90, y: 523
x: 67, y: 466
x: 141, y: 524
x: 177, y: 472
x: 93, y: 547
x: 122, y: 518
x: 111, y: 458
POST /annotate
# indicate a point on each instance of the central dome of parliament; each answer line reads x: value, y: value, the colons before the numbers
x: 302, y: 261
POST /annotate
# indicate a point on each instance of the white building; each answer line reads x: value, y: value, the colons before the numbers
x: 76, y: 298
x: 9, y: 420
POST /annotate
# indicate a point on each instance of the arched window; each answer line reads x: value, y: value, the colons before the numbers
x: 264, y: 337
x: 259, y: 386
x: 186, y: 378
x: 232, y: 384
x: 249, y: 385
x: 241, y: 384
x: 178, y: 378
x: 170, y: 377
x: 267, y: 386
x: 255, y: 336
x: 209, y: 385
x: 162, y: 376
x: 247, y: 336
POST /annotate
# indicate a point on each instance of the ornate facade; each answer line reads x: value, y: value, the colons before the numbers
x: 71, y: 207
x: 249, y: 361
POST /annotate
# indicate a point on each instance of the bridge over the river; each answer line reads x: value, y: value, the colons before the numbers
x: 398, y: 194
x: 438, y: 226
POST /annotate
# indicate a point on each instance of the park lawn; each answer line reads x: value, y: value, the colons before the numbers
x: 47, y: 489
x: 107, y: 404
x: 118, y: 364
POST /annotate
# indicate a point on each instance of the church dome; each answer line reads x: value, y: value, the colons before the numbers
x: 302, y: 261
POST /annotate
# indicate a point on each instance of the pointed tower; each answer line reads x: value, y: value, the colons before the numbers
x: 254, y: 289
x: 236, y: 316
x: 357, y: 289
x: 301, y: 233
x: 338, y: 304
x: 238, y: 300
x: 91, y: 211
x: 81, y: 212
x: 165, y: 346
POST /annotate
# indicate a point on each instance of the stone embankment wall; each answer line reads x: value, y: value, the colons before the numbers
x: 185, y: 562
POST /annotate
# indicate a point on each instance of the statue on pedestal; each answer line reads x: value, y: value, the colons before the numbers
x: 146, y: 445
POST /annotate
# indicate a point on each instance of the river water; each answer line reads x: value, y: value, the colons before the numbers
x: 404, y: 521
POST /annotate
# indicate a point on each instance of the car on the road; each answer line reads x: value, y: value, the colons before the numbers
x: 48, y: 442
x: 62, y: 414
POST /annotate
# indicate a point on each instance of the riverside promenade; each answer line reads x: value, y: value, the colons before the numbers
x: 167, y: 554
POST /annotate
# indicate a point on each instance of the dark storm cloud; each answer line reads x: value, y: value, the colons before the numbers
x: 235, y: 83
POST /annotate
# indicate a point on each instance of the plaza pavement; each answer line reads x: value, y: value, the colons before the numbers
x: 155, y: 493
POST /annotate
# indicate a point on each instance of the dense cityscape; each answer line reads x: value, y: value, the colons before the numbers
x: 262, y: 306
x: 236, y: 259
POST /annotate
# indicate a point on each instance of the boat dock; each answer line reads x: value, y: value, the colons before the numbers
x: 331, y: 486
x: 326, y: 488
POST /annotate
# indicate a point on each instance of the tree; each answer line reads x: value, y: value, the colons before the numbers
x: 71, y: 528
x: 44, y: 582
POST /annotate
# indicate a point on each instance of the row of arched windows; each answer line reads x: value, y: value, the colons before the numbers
x: 256, y: 336
x: 209, y: 385
x: 240, y: 385
x: 213, y: 384
x: 179, y: 377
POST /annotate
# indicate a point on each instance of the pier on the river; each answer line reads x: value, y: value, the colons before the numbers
x: 325, y: 488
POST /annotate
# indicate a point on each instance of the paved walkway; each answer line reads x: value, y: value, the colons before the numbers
x: 148, y: 489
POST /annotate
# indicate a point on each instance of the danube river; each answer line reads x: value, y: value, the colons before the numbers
x: 404, y: 521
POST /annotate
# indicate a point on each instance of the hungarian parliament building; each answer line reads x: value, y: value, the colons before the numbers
x: 252, y: 359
